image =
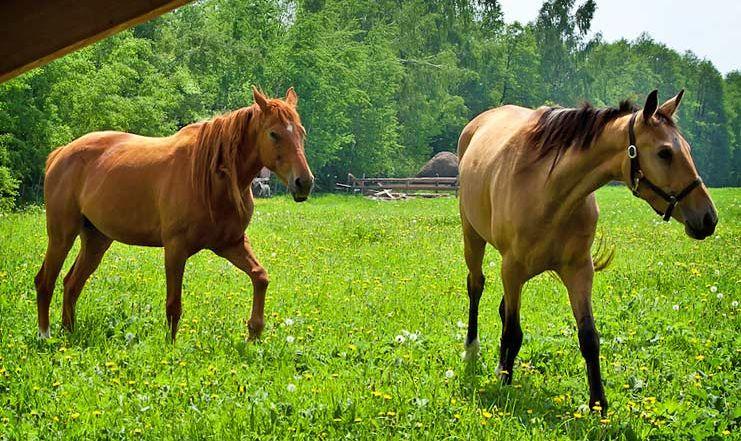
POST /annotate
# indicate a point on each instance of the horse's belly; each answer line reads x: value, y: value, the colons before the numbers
x: 131, y: 228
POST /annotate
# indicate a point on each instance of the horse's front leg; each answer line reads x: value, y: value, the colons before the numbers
x: 242, y: 256
x: 175, y: 258
x: 578, y: 281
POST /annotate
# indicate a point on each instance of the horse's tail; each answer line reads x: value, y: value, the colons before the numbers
x: 603, y: 254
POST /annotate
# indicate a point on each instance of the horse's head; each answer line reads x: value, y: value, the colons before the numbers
x: 280, y: 142
x: 662, y: 171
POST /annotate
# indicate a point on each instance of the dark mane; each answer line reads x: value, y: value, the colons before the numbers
x: 559, y: 129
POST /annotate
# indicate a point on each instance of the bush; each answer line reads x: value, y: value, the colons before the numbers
x: 8, y: 190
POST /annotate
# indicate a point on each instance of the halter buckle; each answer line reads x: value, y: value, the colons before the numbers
x: 636, y: 181
x: 632, y: 151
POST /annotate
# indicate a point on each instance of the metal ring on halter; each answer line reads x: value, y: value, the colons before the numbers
x: 632, y: 151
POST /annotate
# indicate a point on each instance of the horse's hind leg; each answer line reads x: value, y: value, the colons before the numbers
x: 92, y: 248
x: 61, y: 238
x: 578, y: 280
x: 474, y: 248
x: 509, y: 312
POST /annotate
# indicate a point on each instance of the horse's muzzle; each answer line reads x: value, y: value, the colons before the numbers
x: 301, y: 188
x: 702, y: 227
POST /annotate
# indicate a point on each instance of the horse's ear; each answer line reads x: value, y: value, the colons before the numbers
x: 259, y: 99
x: 291, y: 97
x: 652, y: 104
x: 671, y: 105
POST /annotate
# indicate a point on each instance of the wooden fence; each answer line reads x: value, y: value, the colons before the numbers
x: 374, y: 185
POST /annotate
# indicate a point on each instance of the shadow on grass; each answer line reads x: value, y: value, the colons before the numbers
x: 534, y: 407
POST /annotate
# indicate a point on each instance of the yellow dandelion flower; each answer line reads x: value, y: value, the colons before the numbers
x: 391, y: 413
x: 700, y: 357
x: 386, y: 396
x: 486, y: 414
x: 75, y: 415
x: 578, y: 415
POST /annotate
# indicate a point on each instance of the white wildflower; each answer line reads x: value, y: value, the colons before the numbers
x: 291, y: 387
x: 675, y: 307
x: 449, y: 374
x: 290, y: 339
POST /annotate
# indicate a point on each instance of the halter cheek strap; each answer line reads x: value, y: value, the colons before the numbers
x: 637, y: 176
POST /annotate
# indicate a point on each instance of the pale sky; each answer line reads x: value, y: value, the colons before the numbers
x: 709, y: 28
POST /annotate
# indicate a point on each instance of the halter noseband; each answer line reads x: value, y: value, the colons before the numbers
x: 637, y: 176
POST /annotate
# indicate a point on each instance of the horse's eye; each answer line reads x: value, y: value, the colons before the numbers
x: 274, y: 136
x: 665, y: 154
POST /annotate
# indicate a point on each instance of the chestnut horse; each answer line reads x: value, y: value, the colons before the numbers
x: 527, y: 183
x: 185, y: 192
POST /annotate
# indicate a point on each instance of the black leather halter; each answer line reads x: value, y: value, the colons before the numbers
x: 637, y: 176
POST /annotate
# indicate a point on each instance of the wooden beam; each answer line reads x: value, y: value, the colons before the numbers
x: 34, y: 32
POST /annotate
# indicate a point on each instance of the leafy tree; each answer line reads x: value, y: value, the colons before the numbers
x: 383, y: 84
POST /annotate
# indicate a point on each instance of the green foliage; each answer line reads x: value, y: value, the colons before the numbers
x: 352, y: 275
x: 383, y: 84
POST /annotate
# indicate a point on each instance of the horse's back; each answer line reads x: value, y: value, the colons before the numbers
x: 114, y: 181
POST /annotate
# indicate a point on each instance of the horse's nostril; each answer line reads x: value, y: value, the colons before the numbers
x: 297, y: 183
x: 709, y: 220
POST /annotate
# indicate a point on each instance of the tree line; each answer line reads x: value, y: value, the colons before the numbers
x: 383, y: 84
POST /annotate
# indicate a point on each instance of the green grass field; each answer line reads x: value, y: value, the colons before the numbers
x: 348, y: 277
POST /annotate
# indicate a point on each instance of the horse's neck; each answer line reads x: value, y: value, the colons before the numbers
x: 581, y: 172
x: 249, y: 167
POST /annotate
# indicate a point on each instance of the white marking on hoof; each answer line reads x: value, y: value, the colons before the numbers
x: 44, y: 334
x: 472, y: 350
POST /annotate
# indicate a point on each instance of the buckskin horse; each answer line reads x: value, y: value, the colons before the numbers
x: 185, y: 192
x: 527, y: 183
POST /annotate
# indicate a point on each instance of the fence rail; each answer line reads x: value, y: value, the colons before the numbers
x: 373, y: 185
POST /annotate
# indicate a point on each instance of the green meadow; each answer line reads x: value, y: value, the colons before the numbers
x: 365, y: 317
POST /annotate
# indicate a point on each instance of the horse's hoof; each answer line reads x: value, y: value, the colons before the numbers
x: 599, y: 406
x: 44, y: 334
x: 504, y: 375
x: 472, y: 351
x: 255, y: 330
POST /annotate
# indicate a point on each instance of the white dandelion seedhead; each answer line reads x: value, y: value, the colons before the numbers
x: 675, y: 307
x: 291, y: 387
x: 290, y: 339
x: 399, y: 339
x: 734, y: 304
x: 713, y: 289
x: 720, y: 296
x: 288, y: 322
x: 449, y: 374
